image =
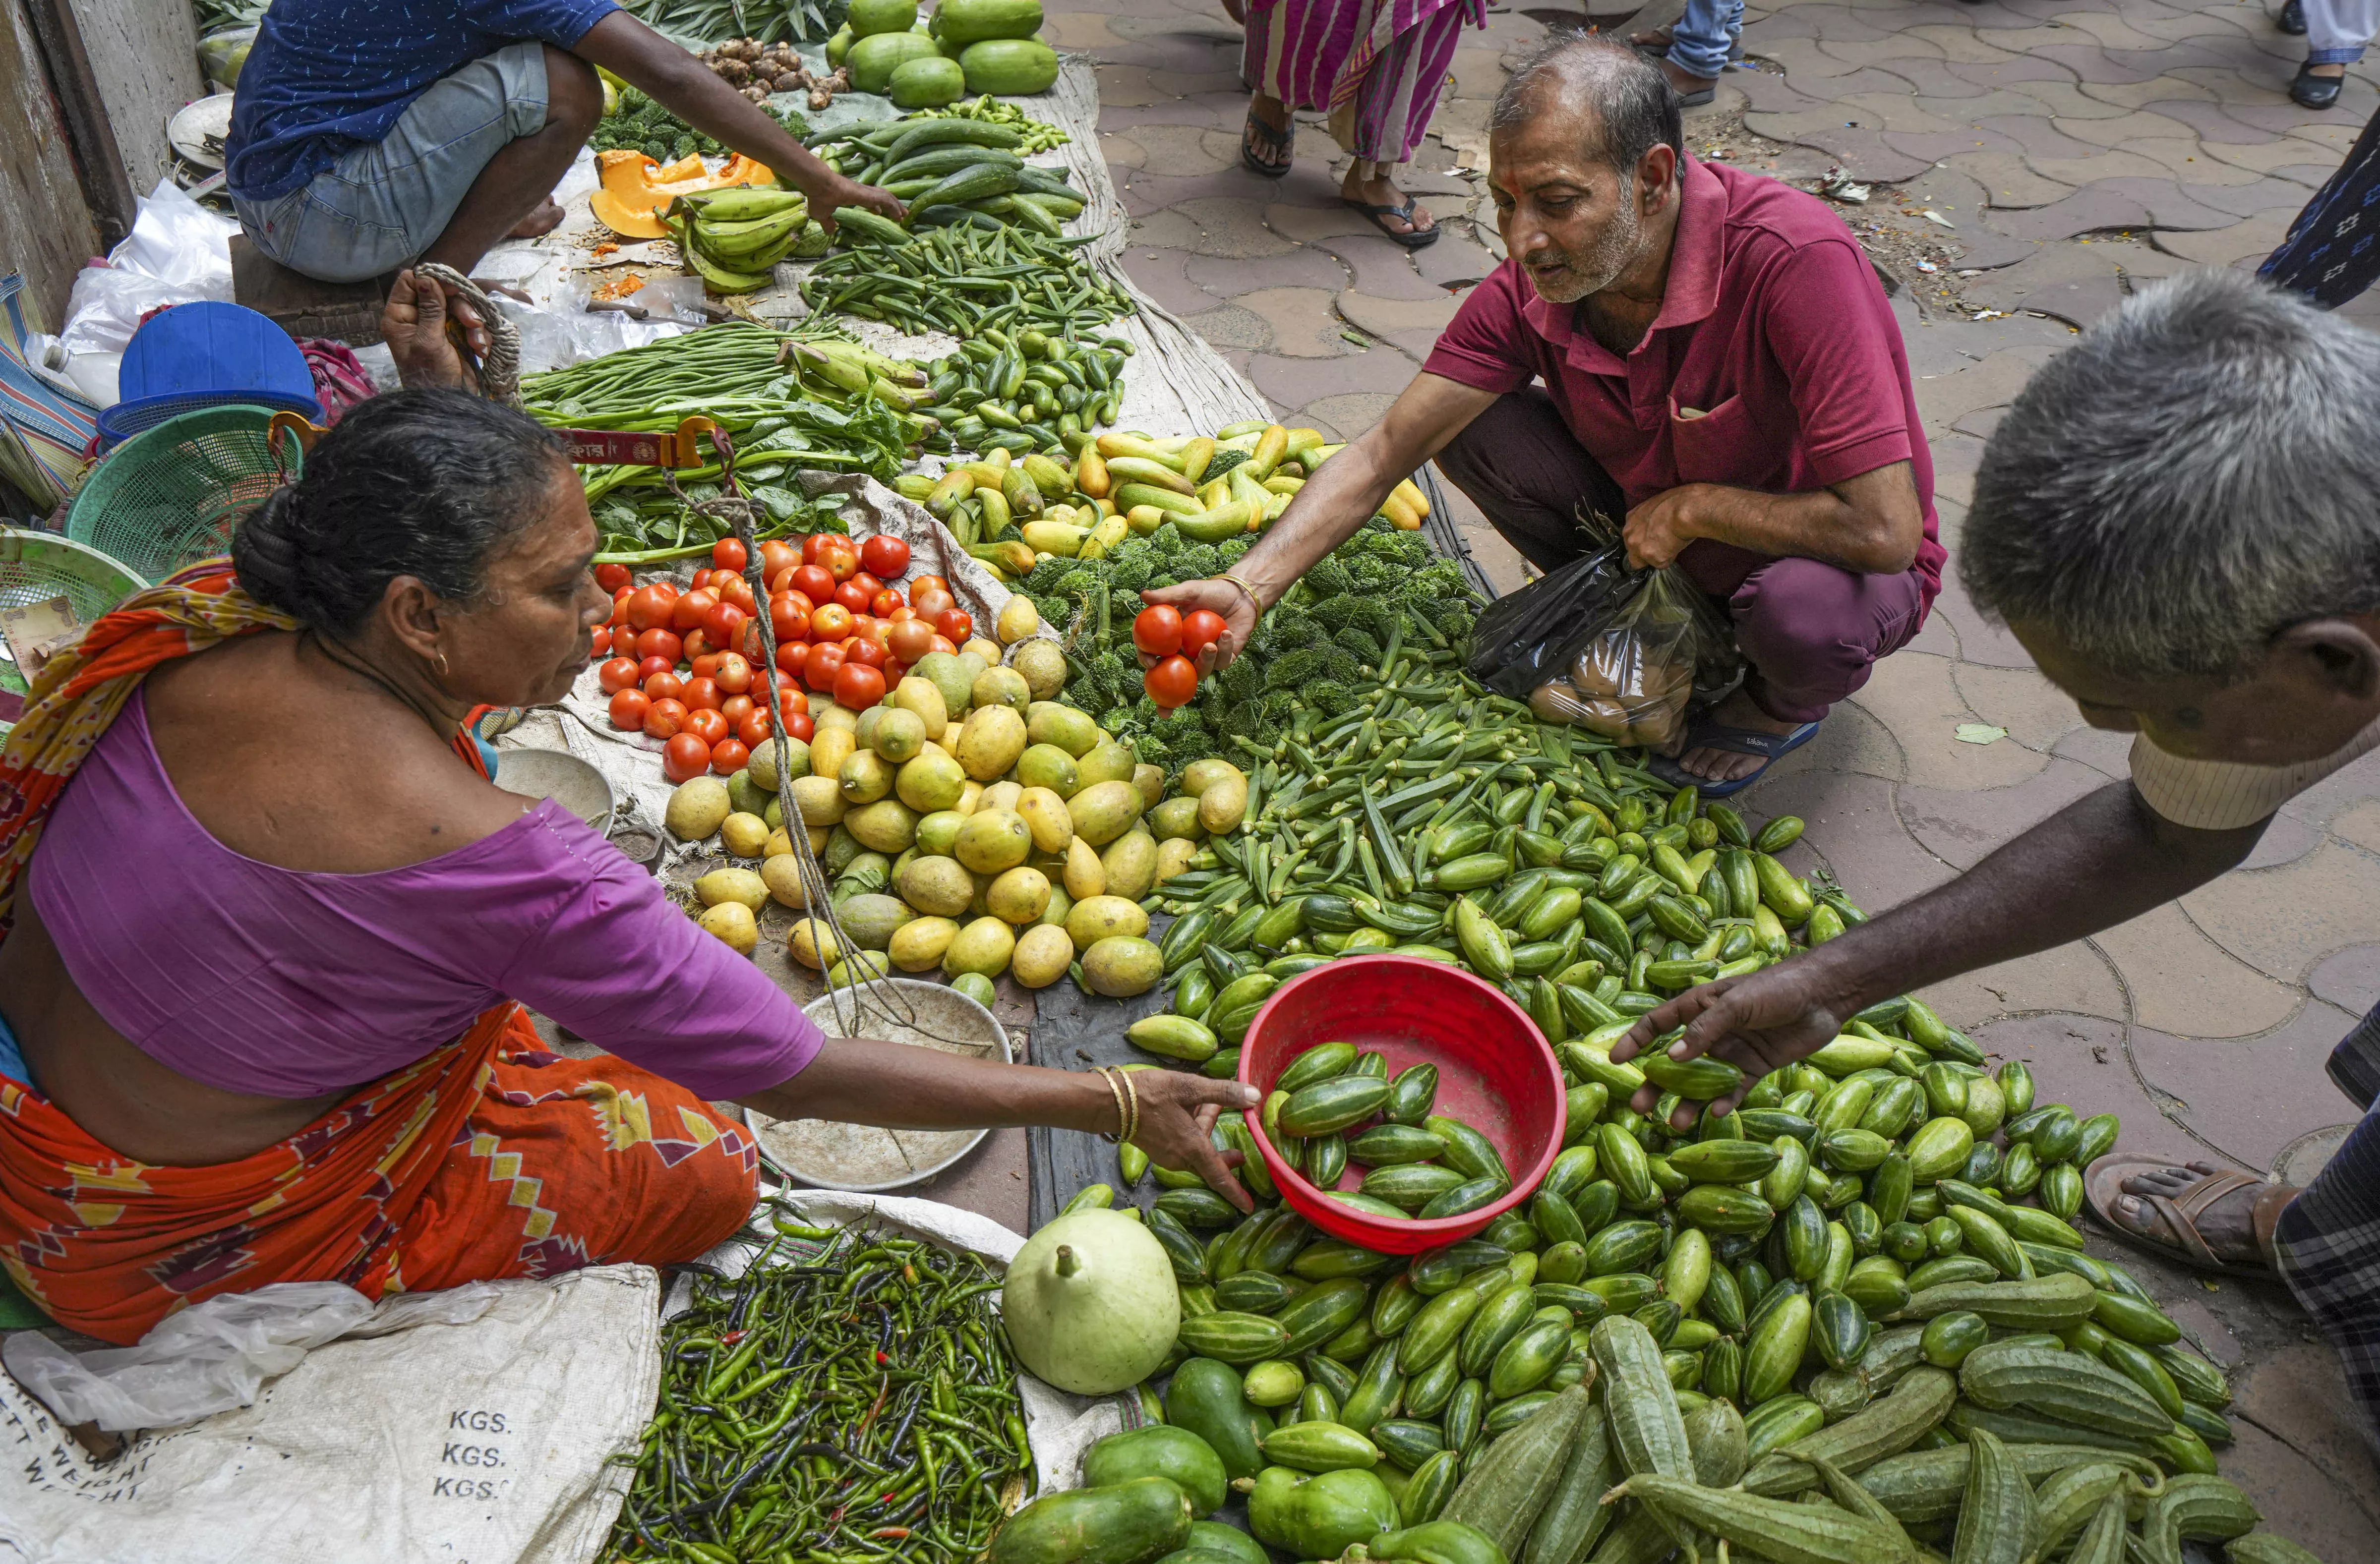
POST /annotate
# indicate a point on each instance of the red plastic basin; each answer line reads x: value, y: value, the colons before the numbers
x: 1495, y: 1073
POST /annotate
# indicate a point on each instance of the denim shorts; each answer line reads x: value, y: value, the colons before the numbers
x: 383, y: 203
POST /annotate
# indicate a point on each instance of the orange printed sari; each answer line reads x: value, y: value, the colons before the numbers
x: 490, y: 1158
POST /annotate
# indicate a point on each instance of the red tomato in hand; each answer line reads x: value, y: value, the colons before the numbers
x: 1200, y: 629
x: 728, y: 554
x: 813, y: 583
x: 661, y: 643
x: 730, y: 756
x: 830, y: 622
x: 707, y: 726
x: 886, y: 557
x: 858, y: 686
x: 610, y: 577
x: 792, y: 656
x: 685, y: 758
x: 690, y: 609
x: 854, y: 596
x: 616, y: 676
x: 909, y: 639
x: 1171, y: 682
x: 664, y: 687
x: 629, y: 708
x: 955, y: 625
x: 647, y: 667
x: 1157, y: 630
x: 648, y: 608
x: 665, y: 718
x: 735, y: 672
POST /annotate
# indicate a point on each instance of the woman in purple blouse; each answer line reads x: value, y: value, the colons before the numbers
x: 261, y: 999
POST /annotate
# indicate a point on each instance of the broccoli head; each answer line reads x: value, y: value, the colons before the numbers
x: 1335, y: 614
x: 1361, y: 644
x: 1154, y: 749
x: 1374, y: 577
x: 1165, y: 542
x: 1330, y: 697
x: 1163, y: 579
x: 1042, y: 581
x: 1327, y: 578
x: 1294, y: 670
x: 1198, y: 559
x: 1407, y: 551
x: 1376, y: 618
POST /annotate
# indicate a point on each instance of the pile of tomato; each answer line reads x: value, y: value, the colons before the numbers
x: 682, y: 665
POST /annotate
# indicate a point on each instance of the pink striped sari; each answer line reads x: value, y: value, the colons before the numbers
x: 1376, y: 65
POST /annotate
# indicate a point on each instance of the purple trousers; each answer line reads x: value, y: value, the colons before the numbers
x: 1809, y: 630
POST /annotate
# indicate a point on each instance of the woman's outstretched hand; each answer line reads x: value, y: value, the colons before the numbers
x: 1177, y: 1116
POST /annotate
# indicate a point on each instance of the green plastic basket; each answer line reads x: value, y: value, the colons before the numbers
x: 170, y: 496
x: 36, y: 567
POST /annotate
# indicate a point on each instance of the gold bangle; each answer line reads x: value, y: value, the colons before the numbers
x: 1109, y: 1076
x: 1254, y: 601
x: 1131, y: 1098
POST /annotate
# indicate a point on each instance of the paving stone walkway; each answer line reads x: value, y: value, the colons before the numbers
x: 2077, y: 149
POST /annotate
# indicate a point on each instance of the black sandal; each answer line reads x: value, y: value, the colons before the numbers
x: 1278, y: 143
x: 1413, y: 238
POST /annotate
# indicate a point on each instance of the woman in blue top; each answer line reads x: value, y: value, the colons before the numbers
x: 368, y: 134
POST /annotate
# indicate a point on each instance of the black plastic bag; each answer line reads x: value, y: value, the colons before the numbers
x: 1618, y: 651
x: 1522, y: 638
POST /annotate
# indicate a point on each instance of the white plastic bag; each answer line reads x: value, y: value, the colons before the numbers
x: 177, y: 253
x: 486, y: 1442
x: 214, y: 1356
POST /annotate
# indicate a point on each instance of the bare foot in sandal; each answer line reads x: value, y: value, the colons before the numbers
x: 1393, y: 212
x: 1268, y: 139
x: 2227, y: 1225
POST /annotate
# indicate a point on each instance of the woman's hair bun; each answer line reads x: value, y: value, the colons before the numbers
x: 431, y: 484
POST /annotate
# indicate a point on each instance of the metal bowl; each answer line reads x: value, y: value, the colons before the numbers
x: 859, y: 1157
x: 568, y: 781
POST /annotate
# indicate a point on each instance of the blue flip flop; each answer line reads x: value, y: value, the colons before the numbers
x: 1703, y: 733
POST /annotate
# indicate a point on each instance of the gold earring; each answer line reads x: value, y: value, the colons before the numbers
x: 441, y: 664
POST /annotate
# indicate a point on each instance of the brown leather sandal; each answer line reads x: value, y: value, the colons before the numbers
x: 2102, y: 1185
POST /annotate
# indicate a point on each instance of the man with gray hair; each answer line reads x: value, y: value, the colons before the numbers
x: 2178, y: 518
x: 1720, y: 372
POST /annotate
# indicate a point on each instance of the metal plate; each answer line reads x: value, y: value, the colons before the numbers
x: 858, y: 1158
x: 197, y: 130
x: 568, y: 781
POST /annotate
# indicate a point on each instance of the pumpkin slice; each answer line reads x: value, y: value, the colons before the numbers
x: 636, y: 190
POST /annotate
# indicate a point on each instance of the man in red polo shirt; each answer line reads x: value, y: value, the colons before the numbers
x: 1719, y: 369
